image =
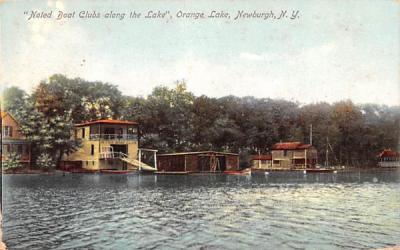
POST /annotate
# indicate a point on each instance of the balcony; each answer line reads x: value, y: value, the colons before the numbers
x: 124, y: 137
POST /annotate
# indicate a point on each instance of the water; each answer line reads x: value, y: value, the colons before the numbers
x: 278, y: 211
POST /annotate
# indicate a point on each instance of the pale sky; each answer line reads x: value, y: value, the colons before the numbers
x: 335, y: 50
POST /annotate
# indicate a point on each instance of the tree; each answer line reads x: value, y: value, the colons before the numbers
x: 45, y: 161
x: 12, y: 161
x: 47, y: 134
x: 13, y: 99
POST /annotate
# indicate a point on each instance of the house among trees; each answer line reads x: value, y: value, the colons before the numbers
x: 106, y: 145
x: 261, y: 161
x: 14, y: 145
x: 293, y: 155
x: 203, y: 161
x: 389, y: 158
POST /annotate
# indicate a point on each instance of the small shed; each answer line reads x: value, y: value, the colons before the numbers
x: 261, y: 161
x: 389, y: 158
x: 203, y: 161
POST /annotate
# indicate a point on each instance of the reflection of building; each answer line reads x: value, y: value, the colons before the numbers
x: 12, y: 140
x: 261, y: 161
x: 290, y: 155
x: 106, y: 144
x: 205, y: 161
x: 389, y: 158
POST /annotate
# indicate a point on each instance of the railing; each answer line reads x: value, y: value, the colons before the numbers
x: 389, y: 164
x: 112, y: 154
x: 112, y: 137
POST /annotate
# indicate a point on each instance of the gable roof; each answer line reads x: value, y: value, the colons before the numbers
x: 4, y: 114
x: 196, y: 153
x: 290, y: 146
x: 388, y: 153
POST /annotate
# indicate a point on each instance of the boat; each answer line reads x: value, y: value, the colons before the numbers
x: 81, y: 171
x: 320, y: 170
x: 115, y: 171
x: 246, y: 171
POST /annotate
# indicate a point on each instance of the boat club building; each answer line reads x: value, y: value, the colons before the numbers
x: 106, y: 145
x: 388, y: 158
x: 261, y: 161
x: 293, y: 155
x: 203, y: 161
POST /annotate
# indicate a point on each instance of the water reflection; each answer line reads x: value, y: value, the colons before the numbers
x: 351, y: 210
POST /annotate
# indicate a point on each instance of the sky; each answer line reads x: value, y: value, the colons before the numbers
x: 334, y: 50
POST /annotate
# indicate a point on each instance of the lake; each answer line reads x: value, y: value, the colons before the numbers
x: 282, y: 210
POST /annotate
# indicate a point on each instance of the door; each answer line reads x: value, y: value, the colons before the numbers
x: 120, y: 148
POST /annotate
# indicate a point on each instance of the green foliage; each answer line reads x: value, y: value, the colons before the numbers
x: 51, y: 134
x: 12, y: 161
x: 13, y: 99
x: 45, y: 161
x: 173, y: 119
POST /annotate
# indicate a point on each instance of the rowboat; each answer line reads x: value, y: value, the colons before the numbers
x: 320, y: 170
x: 115, y: 171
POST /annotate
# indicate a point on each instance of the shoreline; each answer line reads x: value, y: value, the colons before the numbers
x: 60, y: 171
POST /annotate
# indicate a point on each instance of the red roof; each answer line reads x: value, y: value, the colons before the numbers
x: 116, y: 122
x: 290, y: 146
x: 261, y: 157
x: 388, y: 153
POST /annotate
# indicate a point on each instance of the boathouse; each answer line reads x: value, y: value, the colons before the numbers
x: 13, y: 142
x: 192, y: 162
x: 389, y: 158
x: 107, y: 145
x: 261, y: 161
x: 293, y: 155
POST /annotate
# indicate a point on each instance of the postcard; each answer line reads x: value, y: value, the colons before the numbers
x: 189, y: 124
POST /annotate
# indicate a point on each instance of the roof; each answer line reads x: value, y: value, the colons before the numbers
x: 115, y: 122
x: 261, y: 157
x: 290, y: 146
x: 4, y: 114
x: 388, y: 153
x: 196, y: 153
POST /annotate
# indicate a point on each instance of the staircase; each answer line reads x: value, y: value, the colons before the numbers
x: 108, y: 153
x: 139, y: 165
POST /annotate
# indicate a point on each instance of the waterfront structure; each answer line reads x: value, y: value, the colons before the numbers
x: 13, y: 142
x: 203, y: 161
x: 293, y: 155
x: 107, y: 145
x: 389, y: 158
x: 261, y: 161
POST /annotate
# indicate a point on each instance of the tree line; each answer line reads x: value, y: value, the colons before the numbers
x: 174, y: 119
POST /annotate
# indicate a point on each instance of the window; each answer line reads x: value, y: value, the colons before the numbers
x: 285, y: 153
x: 7, y: 131
x: 19, y: 149
x: 132, y: 130
x: 92, y: 149
x: 83, y: 132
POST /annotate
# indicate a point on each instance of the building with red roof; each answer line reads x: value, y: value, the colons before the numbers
x: 389, y: 158
x: 261, y: 161
x: 293, y: 155
x: 107, y: 145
